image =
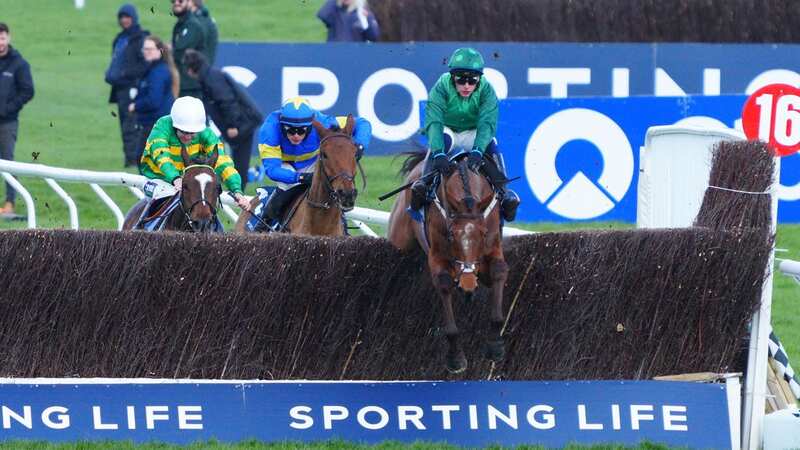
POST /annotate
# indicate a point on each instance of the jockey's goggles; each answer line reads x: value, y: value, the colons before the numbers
x: 184, y: 133
x: 290, y: 130
x: 470, y: 79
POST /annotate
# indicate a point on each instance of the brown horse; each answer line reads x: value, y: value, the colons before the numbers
x: 199, y: 197
x: 462, y: 238
x: 332, y: 192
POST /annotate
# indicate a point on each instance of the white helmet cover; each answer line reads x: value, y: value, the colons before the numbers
x: 188, y: 114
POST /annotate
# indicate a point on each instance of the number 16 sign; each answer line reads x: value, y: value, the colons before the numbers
x: 772, y: 114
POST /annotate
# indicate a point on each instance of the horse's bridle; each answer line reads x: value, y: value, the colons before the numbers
x: 333, y: 197
x: 451, y: 217
x: 201, y: 201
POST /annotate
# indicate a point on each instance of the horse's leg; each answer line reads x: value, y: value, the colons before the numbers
x: 133, y: 215
x: 456, y: 361
x: 498, y: 272
x: 400, y: 230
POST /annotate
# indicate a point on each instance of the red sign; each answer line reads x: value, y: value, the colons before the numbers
x: 772, y: 115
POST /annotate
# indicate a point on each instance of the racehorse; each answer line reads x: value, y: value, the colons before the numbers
x: 319, y: 210
x: 462, y: 237
x: 199, y: 197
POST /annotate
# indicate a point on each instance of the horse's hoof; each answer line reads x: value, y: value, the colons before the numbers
x: 495, y: 351
x: 457, y: 363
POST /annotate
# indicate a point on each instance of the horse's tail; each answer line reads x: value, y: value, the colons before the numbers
x: 412, y: 159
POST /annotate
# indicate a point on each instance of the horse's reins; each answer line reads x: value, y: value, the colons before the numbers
x: 201, y: 201
x: 451, y: 217
x: 331, y: 191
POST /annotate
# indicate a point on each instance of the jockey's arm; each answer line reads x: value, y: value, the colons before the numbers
x: 487, y: 119
x: 272, y: 159
x: 159, y: 152
x: 434, y: 117
x: 224, y: 167
x: 362, y: 133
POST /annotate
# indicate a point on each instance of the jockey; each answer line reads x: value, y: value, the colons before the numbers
x: 289, y: 147
x: 186, y: 126
x: 462, y: 112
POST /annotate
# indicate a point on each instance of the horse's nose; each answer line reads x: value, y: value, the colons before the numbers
x: 202, y: 225
x: 348, y: 197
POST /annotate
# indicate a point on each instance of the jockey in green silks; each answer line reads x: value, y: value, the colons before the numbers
x: 462, y: 112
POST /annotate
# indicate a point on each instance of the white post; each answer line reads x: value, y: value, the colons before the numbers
x: 756, y: 378
x: 80, y: 4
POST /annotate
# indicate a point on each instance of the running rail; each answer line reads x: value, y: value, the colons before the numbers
x: 10, y: 170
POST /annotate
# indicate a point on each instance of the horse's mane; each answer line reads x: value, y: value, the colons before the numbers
x: 462, y: 172
x: 412, y: 159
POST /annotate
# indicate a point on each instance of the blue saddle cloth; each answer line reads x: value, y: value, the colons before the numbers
x: 156, y: 217
x: 254, y: 223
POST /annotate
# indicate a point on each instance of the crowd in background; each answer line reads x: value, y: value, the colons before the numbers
x: 147, y: 73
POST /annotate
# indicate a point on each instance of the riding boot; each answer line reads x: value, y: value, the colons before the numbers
x: 509, y: 199
x: 275, y: 205
x: 420, y: 187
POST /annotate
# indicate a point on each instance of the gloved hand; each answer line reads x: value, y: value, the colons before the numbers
x: 241, y: 201
x: 359, y: 151
x: 475, y: 160
x: 441, y: 164
x: 305, y: 178
x: 178, y: 183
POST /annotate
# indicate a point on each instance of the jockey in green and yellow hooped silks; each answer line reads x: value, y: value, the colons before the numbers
x: 462, y: 112
x: 185, y: 126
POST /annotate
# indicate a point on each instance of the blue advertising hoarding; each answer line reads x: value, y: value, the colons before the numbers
x: 461, y: 413
x: 385, y: 82
x: 579, y: 157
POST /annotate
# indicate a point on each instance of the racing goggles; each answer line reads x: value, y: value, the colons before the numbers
x: 290, y: 130
x: 466, y: 78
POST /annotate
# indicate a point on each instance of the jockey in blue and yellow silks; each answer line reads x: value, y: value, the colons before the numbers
x: 289, y: 147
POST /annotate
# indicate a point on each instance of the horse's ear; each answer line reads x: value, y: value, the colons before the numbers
x: 212, y: 161
x: 321, y: 130
x: 349, y: 125
x: 185, y: 156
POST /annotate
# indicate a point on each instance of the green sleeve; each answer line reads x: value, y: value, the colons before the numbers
x: 487, y: 118
x: 225, y: 169
x: 434, y: 115
x: 158, y: 147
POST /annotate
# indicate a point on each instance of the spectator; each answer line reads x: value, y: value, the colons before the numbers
x: 156, y: 91
x: 16, y: 89
x: 209, y: 28
x: 349, y: 21
x: 126, y: 67
x: 229, y: 106
x: 187, y: 34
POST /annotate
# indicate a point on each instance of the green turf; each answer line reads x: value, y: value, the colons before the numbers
x: 70, y: 124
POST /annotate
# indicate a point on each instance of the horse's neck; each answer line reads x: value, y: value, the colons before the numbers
x: 315, y: 220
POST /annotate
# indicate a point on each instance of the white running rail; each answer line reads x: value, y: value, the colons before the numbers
x: 12, y: 169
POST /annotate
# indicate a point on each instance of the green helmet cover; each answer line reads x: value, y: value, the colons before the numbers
x: 466, y: 59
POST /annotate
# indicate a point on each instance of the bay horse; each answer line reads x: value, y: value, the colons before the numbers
x: 318, y: 211
x: 462, y: 238
x: 199, y: 197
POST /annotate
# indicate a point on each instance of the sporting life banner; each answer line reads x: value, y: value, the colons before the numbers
x: 385, y: 82
x: 463, y: 413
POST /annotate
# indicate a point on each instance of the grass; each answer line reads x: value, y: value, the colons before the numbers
x: 255, y: 445
x: 70, y: 124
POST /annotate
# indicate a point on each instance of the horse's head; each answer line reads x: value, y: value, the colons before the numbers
x: 200, y: 191
x: 337, y: 163
x: 468, y: 205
